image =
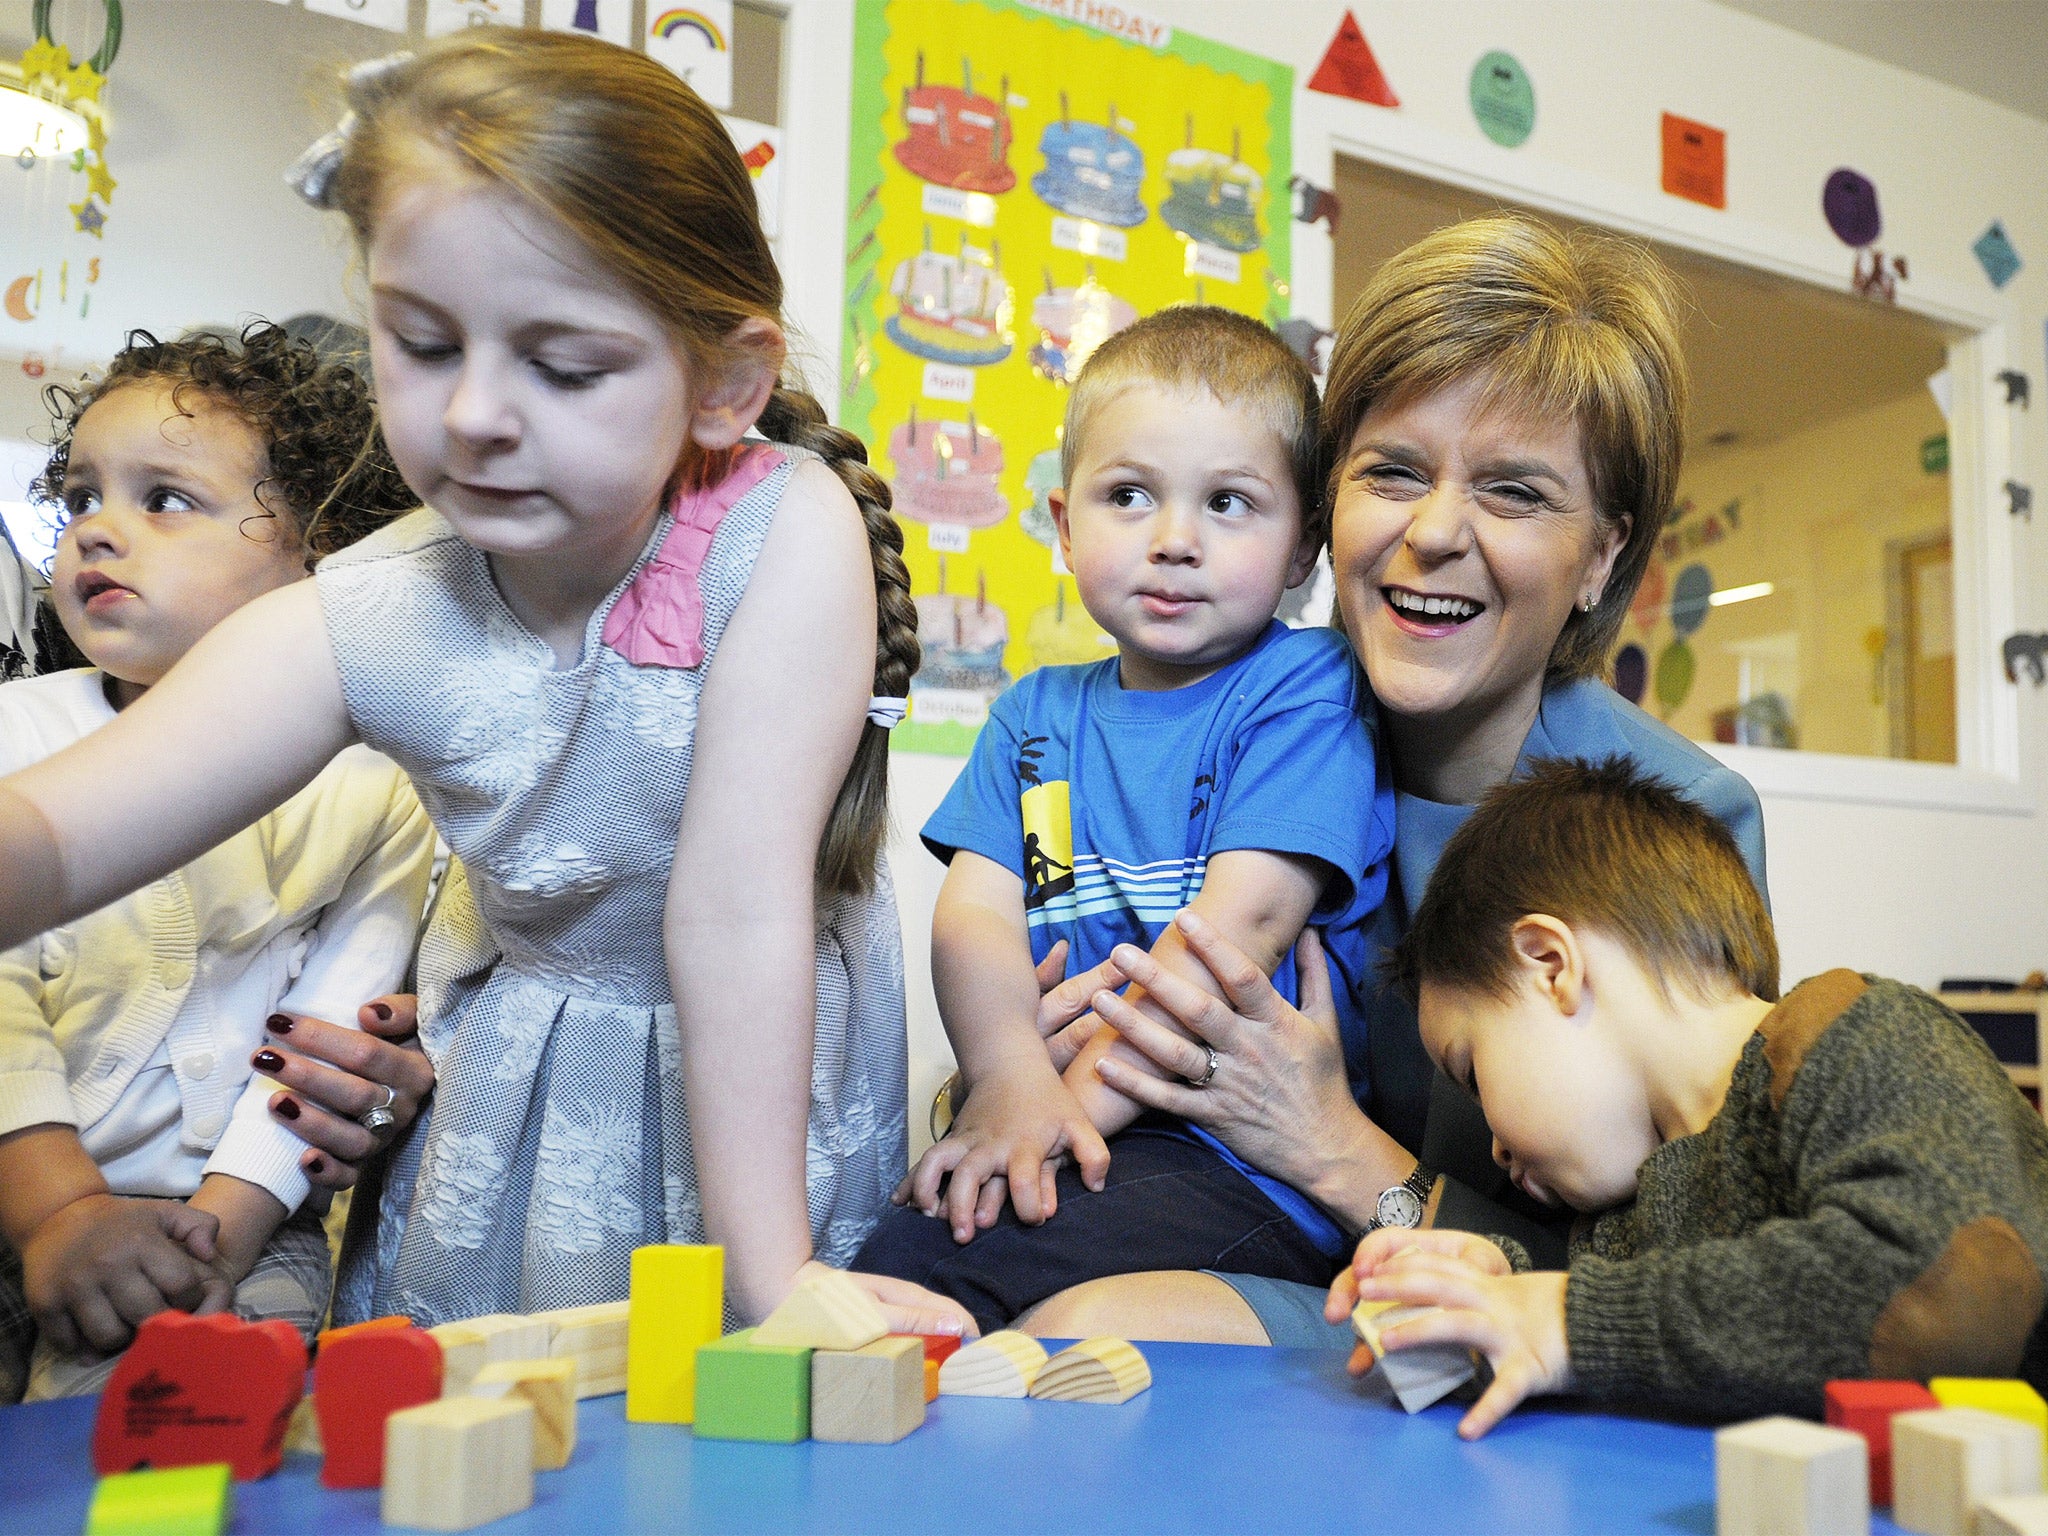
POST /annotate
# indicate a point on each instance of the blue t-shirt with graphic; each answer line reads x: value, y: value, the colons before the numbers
x: 1108, y: 804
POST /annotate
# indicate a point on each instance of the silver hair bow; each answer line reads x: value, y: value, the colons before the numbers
x: 312, y: 174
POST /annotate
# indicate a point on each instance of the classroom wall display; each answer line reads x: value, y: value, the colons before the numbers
x: 696, y: 42
x: 611, y: 20
x: 391, y: 15
x: 1695, y: 161
x: 1023, y: 186
x: 1995, y: 253
x: 1349, y: 68
x: 1503, y: 100
x: 446, y: 16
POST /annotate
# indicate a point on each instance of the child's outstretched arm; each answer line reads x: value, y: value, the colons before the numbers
x: 781, y: 712
x: 1259, y: 902
x: 1018, y: 1114
x: 241, y: 724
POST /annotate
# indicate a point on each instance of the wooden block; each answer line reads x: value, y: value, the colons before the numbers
x: 1000, y: 1365
x: 749, y: 1391
x: 827, y: 1311
x: 1947, y: 1461
x: 595, y: 1338
x: 873, y: 1395
x: 195, y: 1390
x: 512, y: 1336
x: 2014, y: 1399
x: 1093, y: 1371
x: 2023, y: 1514
x: 173, y: 1501
x: 1867, y: 1407
x: 550, y: 1385
x: 939, y: 1347
x: 1418, y: 1376
x: 1786, y: 1477
x: 360, y: 1380
x: 458, y: 1462
x: 678, y: 1306
x: 464, y: 1352
x: 931, y: 1380
x: 302, y: 1434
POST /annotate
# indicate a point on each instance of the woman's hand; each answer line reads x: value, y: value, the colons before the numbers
x: 1278, y: 1097
x: 1066, y: 1018
x: 333, y: 1076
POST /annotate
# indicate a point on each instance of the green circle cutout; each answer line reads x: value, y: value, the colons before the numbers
x: 1675, y: 669
x: 1503, y: 99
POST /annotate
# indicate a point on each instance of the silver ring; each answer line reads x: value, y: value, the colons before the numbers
x: 380, y: 1118
x: 1207, y: 1077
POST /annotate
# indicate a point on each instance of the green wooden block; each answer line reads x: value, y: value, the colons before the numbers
x: 750, y: 1392
x: 176, y: 1501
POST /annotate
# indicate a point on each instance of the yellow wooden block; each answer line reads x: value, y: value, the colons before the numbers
x: 1001, y: 1365
x: 1101, y: 1370
x: 873, y: 1395
x: 827, y: 1311
x: 2014, y: 1399
x: 678, y: 1306
x: 457, y: 1463
x: 464, y: 1352
x: 550, y: 1385
x: 512, y: 1336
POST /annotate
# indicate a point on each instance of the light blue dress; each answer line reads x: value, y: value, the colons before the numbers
x: 558, y: 1137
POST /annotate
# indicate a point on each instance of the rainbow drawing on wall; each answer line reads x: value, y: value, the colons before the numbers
x: 666, y: 24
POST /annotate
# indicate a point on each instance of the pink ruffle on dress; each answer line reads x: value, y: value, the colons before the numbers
x: 658, y: 620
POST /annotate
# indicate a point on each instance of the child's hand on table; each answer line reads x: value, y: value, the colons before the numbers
x: 94, y: 1269
x: 909, y: 1308
x: 1009, y: 1138
x: 1516, y: 1321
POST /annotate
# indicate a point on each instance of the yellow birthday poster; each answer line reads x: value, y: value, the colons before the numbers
x: 1028, y: 178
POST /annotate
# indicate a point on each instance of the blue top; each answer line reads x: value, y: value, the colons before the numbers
x: 1108, y: 803
x: 1391, y: 1075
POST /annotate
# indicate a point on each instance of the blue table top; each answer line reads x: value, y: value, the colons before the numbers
x: 1227, y: 1439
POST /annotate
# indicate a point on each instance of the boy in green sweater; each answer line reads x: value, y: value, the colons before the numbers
x: 1775, y: 1194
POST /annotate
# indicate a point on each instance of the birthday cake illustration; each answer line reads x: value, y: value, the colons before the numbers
x: 1062, y: 634
x: 1041, y: 479
x: 1072, y: 323
x: 946, y: 472
x: 1091, y: 171
x: 951, y: 309
x: 954, y: 137
x: 1212, y: 197
x: 963, y: 639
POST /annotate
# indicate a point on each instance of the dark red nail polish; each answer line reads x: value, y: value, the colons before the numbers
x: 318, y: 1165
x: 279, y: 1023
x: 382, y: 1010
x: 268, y: 1060
x: 289, y: 1108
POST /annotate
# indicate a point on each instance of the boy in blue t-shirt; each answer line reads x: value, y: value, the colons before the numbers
x: 1220, y: 761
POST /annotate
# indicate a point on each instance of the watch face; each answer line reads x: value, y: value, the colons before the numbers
x: 1399, y: 1207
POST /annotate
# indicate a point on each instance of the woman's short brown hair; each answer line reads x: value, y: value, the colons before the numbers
x: 1602, y: 847
x: 1576, y: 327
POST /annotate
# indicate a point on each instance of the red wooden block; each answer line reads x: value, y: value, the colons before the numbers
x: 363, y: 1376
x: 937, y: 1346
x: 396, y: 1320
x: 195, y: 1390
x: 1867, y: 1407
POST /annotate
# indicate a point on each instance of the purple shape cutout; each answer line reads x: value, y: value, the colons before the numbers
x: 1631, y: 672
x: 1850, y: 202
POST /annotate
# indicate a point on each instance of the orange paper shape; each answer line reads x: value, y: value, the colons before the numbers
x: 1695, y: 161
x: 1349, y: 69
x: 363, y: 1376
x: 196, y: 1390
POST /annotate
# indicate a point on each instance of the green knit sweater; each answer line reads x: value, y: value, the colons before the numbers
x: 1870, y: 1201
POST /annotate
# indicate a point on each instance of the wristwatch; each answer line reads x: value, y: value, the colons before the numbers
x: 1402, y: 1205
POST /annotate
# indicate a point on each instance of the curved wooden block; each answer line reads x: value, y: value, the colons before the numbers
x: 1001, y: 1365
x: 1101, y: 1370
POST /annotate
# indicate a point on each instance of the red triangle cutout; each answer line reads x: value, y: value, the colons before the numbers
x: 1349, y: 69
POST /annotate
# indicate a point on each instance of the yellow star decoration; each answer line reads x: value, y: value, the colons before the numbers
x: 98, y: 183
x: 90, y: 218
x: 45, y: 60
x: 82, y: 83
x: 95, y: 133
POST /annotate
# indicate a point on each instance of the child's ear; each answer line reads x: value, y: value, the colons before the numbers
x: 1549, y: 957
x: 733, y: 400
x: 1304, y: 562
x: 1056, y: 499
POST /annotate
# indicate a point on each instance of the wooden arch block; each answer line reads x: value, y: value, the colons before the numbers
x: 1094, y: 1371
x: 1001, y: 1365
x: 361, y: 1378
x: 195, y: 1390
x: 827, y: 1311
